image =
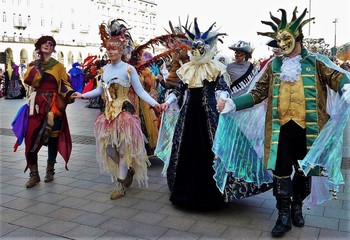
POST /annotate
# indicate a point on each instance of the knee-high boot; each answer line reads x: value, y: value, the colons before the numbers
x: 301, y: 189
x: 282, y: 190
x: 34, y: 177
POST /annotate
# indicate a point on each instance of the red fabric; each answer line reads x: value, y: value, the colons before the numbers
x: 36, y: 121
x: 89, y: 86
x: 15, y: 146
x: 65, y: 141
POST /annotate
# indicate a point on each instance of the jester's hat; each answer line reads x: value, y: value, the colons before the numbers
x: 294, y: 27
x: 208, y: 37
x: 115, y: 30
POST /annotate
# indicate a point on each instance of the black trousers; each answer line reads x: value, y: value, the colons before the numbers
x: 291, y: 148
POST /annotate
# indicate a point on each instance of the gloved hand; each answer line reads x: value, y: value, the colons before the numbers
x: 346, y: 92
x: 229, y: 105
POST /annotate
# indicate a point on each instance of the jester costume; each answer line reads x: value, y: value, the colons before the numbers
x: 293, y: 97
x: 47, y: 121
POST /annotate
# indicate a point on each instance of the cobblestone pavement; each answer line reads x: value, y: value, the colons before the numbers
x: 76, y: 204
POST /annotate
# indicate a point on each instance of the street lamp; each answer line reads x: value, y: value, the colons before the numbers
x: 309, y: 17
x: 335, y: 31
x: 334, y: 49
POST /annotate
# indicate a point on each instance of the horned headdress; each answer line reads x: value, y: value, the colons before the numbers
x: 294, y: 26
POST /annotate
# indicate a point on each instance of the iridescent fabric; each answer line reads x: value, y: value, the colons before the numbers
x: 326, y: 153
x: 239, y: 146
x: 166, y: 133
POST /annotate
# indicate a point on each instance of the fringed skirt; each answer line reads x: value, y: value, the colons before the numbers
x: 121, y: 141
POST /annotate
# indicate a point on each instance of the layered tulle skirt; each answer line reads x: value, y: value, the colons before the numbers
x: 121, y: 141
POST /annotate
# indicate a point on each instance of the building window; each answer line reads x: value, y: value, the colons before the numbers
x: 20, y: 22
x: 42, y: 22
x: 4, y: 18
x: 73, y: 26
x: 29, y: 20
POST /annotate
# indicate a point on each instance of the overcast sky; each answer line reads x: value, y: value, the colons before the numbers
x: 242, y: 19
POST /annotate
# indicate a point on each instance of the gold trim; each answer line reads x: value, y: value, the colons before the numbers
x: 311, y: 123
x: 276, y: 143
x: 310, y: 99
x: 308, y: 75
x: 311, y: 135
x: 310, y: 111
x: 275, y: 131
x: 312, y: 87
x: 281, y: 176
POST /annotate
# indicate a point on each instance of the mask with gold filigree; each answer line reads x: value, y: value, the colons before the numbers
x: 286, y: 34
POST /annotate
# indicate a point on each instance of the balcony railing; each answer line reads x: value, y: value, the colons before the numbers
x: 20, y: 26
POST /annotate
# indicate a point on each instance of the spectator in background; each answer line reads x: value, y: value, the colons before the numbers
x: 241, y: 70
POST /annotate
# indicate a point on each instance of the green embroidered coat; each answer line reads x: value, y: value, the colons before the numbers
x: 316, y: 76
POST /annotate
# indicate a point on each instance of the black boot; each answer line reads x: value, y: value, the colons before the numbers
x: 301, y: 189
x: 296, y: 213
x: 282, y: 190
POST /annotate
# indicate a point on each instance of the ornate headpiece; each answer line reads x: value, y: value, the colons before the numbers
x: 115, y: 30
x: 294, y: 27
x: 207, y: 38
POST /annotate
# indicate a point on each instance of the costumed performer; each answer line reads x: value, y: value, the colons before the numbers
x: 185, y: 140
x: 303, y: 122
x: 43, y: 121
x: 119, y: 139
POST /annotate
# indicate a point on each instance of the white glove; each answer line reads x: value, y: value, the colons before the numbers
x: 346, y: 92
x: 230, y: 106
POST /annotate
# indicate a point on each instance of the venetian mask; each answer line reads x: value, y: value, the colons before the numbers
x: 286, y: 41
x: 198, y: 48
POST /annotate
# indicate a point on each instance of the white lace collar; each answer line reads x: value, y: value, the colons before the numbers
x: 291, y: 69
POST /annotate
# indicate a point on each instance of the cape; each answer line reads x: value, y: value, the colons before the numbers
x: 239, y: 145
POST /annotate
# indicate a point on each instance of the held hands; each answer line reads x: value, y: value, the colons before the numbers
x: 157, y: 108
x: 76, y: 95
x: 220, y: 105
x: 164, y: 106
x: 225, y: 105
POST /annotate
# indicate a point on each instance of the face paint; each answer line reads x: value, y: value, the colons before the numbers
x: 286, y: 41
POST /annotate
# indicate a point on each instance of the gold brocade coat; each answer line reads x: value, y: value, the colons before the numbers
x: 315, y: 76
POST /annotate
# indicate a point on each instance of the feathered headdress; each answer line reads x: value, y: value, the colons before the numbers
x: 207, y: 37
x: 173, y: 42
x: 294, y: 27
x: 116, y: 30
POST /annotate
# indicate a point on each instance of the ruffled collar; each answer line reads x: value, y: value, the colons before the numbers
x: 291, y: 69
x: 193, y: 74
